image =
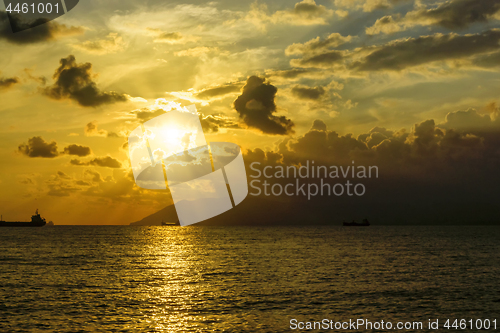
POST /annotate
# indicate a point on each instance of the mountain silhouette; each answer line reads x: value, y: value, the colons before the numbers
x: 277, y: 211
x: 167, y: 214
x: 252, y: 211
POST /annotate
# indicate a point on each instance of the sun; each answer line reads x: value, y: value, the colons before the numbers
x: 171, y: 135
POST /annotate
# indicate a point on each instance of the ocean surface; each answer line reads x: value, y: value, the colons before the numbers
x: 243, y: 279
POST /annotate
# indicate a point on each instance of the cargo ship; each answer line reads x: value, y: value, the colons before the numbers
x: 365, y: 223
x: 36, y: 221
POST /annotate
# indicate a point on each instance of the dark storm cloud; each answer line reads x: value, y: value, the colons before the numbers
x: 428, y: 150
x: 308, y: 93
x: 8, y: 82
x: 75, y: 81
x: 38, y: 147
x: 461, y: 13
x: 256, y: 106
x: 77, y: 150
x: 402, y: 54
x: 218, y: 91
x: 107, y: 162
x: 40, y: 30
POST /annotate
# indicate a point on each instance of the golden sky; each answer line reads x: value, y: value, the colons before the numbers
x: 393, y: 82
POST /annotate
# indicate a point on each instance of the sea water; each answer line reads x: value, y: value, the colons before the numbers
x: 242, y: 279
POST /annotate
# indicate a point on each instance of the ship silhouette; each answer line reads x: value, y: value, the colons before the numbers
x: 36, y: 221
x: 365, y: 223
x: 163, y: 223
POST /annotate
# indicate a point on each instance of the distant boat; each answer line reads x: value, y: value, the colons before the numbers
x: 36, y: 221
x: 169, y: 223
x: 365, y: 223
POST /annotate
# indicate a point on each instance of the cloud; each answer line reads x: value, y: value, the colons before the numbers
x: 456, y: 14
x: 318, y: 125
x: 38, y: 147
x: 107, y: 162
x: 8, y: 82
x: 208, y: 95
x: 317, y: 45
x: 113, y: 43
x: 489, y: 60
x: 387, y: 24
x: 366, y: 5
x: 75, y: 81
x: 428, y: 169
x: 318, y: 52
x: 120, y: 187
x: 307, y: 93
x: 92, y: 130
x: 170, y: 37
x: 77, y: 150
x: 40, y: 30
x: 62, y: 185
x: 39, y: 79
x: 323, y: 60
x: 291, y: 74
x: 27, y: 179
x: 461, y: 13
x: 212, y: 123
x: 427, y: 147
x: 146, y: 114
x: 223, y: 90
x: 196, y: 51
x: 467, y: 51
x: 209, y: 123
x: 470, y: 121
x: 94, y: 176
x: 306, y: 12
x: 256, y: 106
x: 63, y: 175
x: 404, y: 53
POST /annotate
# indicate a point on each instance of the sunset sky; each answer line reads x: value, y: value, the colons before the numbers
x: 411, y: 86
